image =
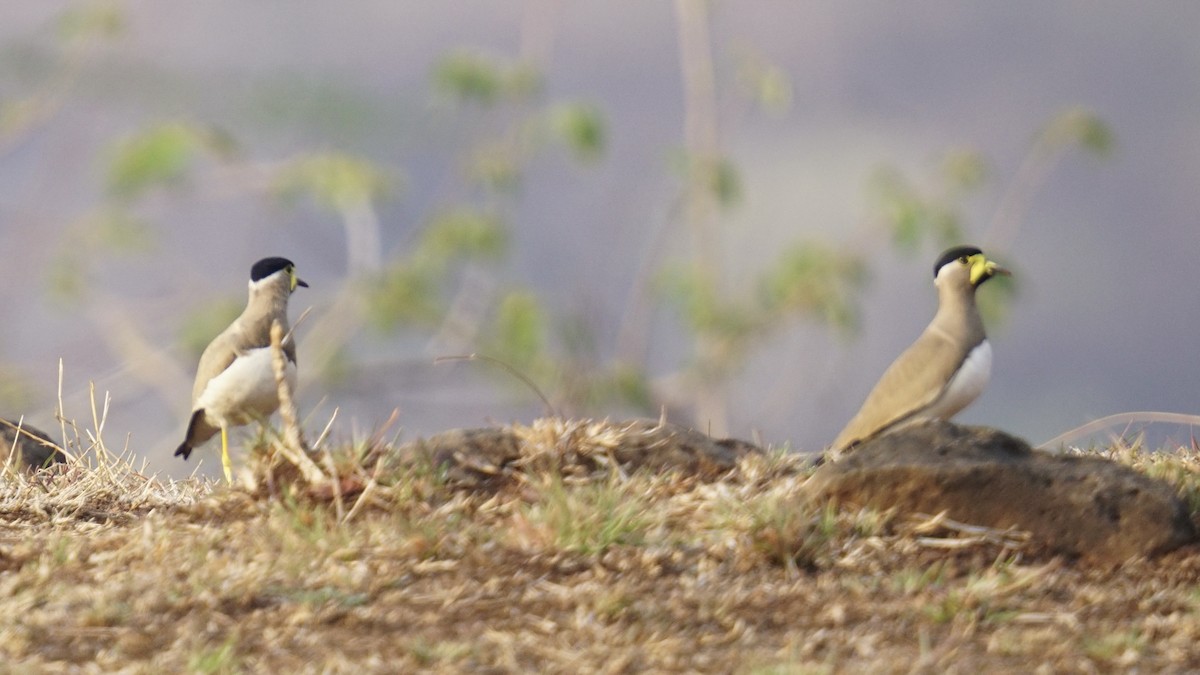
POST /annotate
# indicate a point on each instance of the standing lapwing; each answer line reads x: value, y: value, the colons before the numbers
x: 235, y: 383
x: 946, y: 368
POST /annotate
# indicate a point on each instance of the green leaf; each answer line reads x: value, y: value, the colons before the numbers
x: 160, y: 155
x: 463, y: 232
x: 334, y: 181
x: 519, y: 329
x: 1083, y: 127
x: 703, y: 308
x: 682, y: 286
x: 471, y: 77
x: 496, y: 166
x: 405, y: 294
x: 468, y: 77
x: 766, y: 83
x: 581, y: 128
x: 911, y: 217
x: 716, y: 175
x: 815, y: 281
x: 632, y: 386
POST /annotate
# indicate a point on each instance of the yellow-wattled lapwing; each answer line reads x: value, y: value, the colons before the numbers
x: 235, y: 382
x: 946, y: 368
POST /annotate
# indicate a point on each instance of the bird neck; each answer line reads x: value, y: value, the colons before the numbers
x: 267, y: 303
x: 957, y: 310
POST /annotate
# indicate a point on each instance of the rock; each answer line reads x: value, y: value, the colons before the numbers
x: 34, y: 449
x: 575, y: 447
x: 1085, y: 507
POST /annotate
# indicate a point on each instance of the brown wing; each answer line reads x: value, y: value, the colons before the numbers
x: 222, y: 351
x: 216, y: 358
x: 913, y: 381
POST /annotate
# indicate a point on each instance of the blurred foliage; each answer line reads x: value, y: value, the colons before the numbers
x: 462, y: 233
x: 413, y: 290
x: 205, y: 322
x: 470, y: 77
x: 704, y: 308
x: 964, y: 170
x: 417, y: 288
x: 407, y: 294
x: 85, y: 21
x: 763, y: 82
x: 717, y: 176
x: 117, y: 229
x: 808, y: 281
x: 518, y: 330
x: 65, y: 278
x: 496, y: 166
x: 161, y: 155
x: 334, y: 181
x: 110, y: 228
x: 580, y: 127
x: 996, y: 300
x: 509, y: 122
x: 813, y: 280
x: 1080, y: 127
x: 914, y: 216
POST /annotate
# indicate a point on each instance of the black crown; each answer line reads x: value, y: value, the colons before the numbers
x: 268, y: 266
x: 951, y: 254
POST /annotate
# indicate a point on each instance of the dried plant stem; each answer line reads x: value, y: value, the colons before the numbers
x: 336, y: 483
x: 61, y: 413
x: 550, y: 409
x: 292, y: 446
x: 1120, y: 418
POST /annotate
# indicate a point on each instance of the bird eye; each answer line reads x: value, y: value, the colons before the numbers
x: 963, y: 259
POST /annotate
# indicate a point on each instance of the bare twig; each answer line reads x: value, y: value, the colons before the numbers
x: 550, y: 409
x: 967, y: 535
x: 1126, y: 418
x: 296, y: 324
x: 292, y: 445
x: 325, y: 432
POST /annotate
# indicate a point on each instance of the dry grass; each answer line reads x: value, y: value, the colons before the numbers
x: 573, y: 565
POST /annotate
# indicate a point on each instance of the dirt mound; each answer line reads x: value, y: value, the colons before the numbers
x: 490, y: 456
x: 1084, y: 507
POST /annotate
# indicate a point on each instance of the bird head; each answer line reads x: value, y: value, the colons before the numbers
x: 268, y: 267
x: 967, y: 265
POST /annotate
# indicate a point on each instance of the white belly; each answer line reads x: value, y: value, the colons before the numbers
x: 966, y: 385
x: 245, y: 390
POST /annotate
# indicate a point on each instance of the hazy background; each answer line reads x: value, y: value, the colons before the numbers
x: 811, y: 102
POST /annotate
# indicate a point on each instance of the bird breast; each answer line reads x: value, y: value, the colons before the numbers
x: 966, y: 385
x: 245, y: 389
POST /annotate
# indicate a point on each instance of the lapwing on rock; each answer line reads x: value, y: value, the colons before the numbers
x: 946, y: 368
x: 235, y: 381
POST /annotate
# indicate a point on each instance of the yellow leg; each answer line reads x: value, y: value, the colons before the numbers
x: 225, y: 463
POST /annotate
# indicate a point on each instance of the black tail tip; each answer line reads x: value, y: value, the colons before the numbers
x: 184, y: 450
